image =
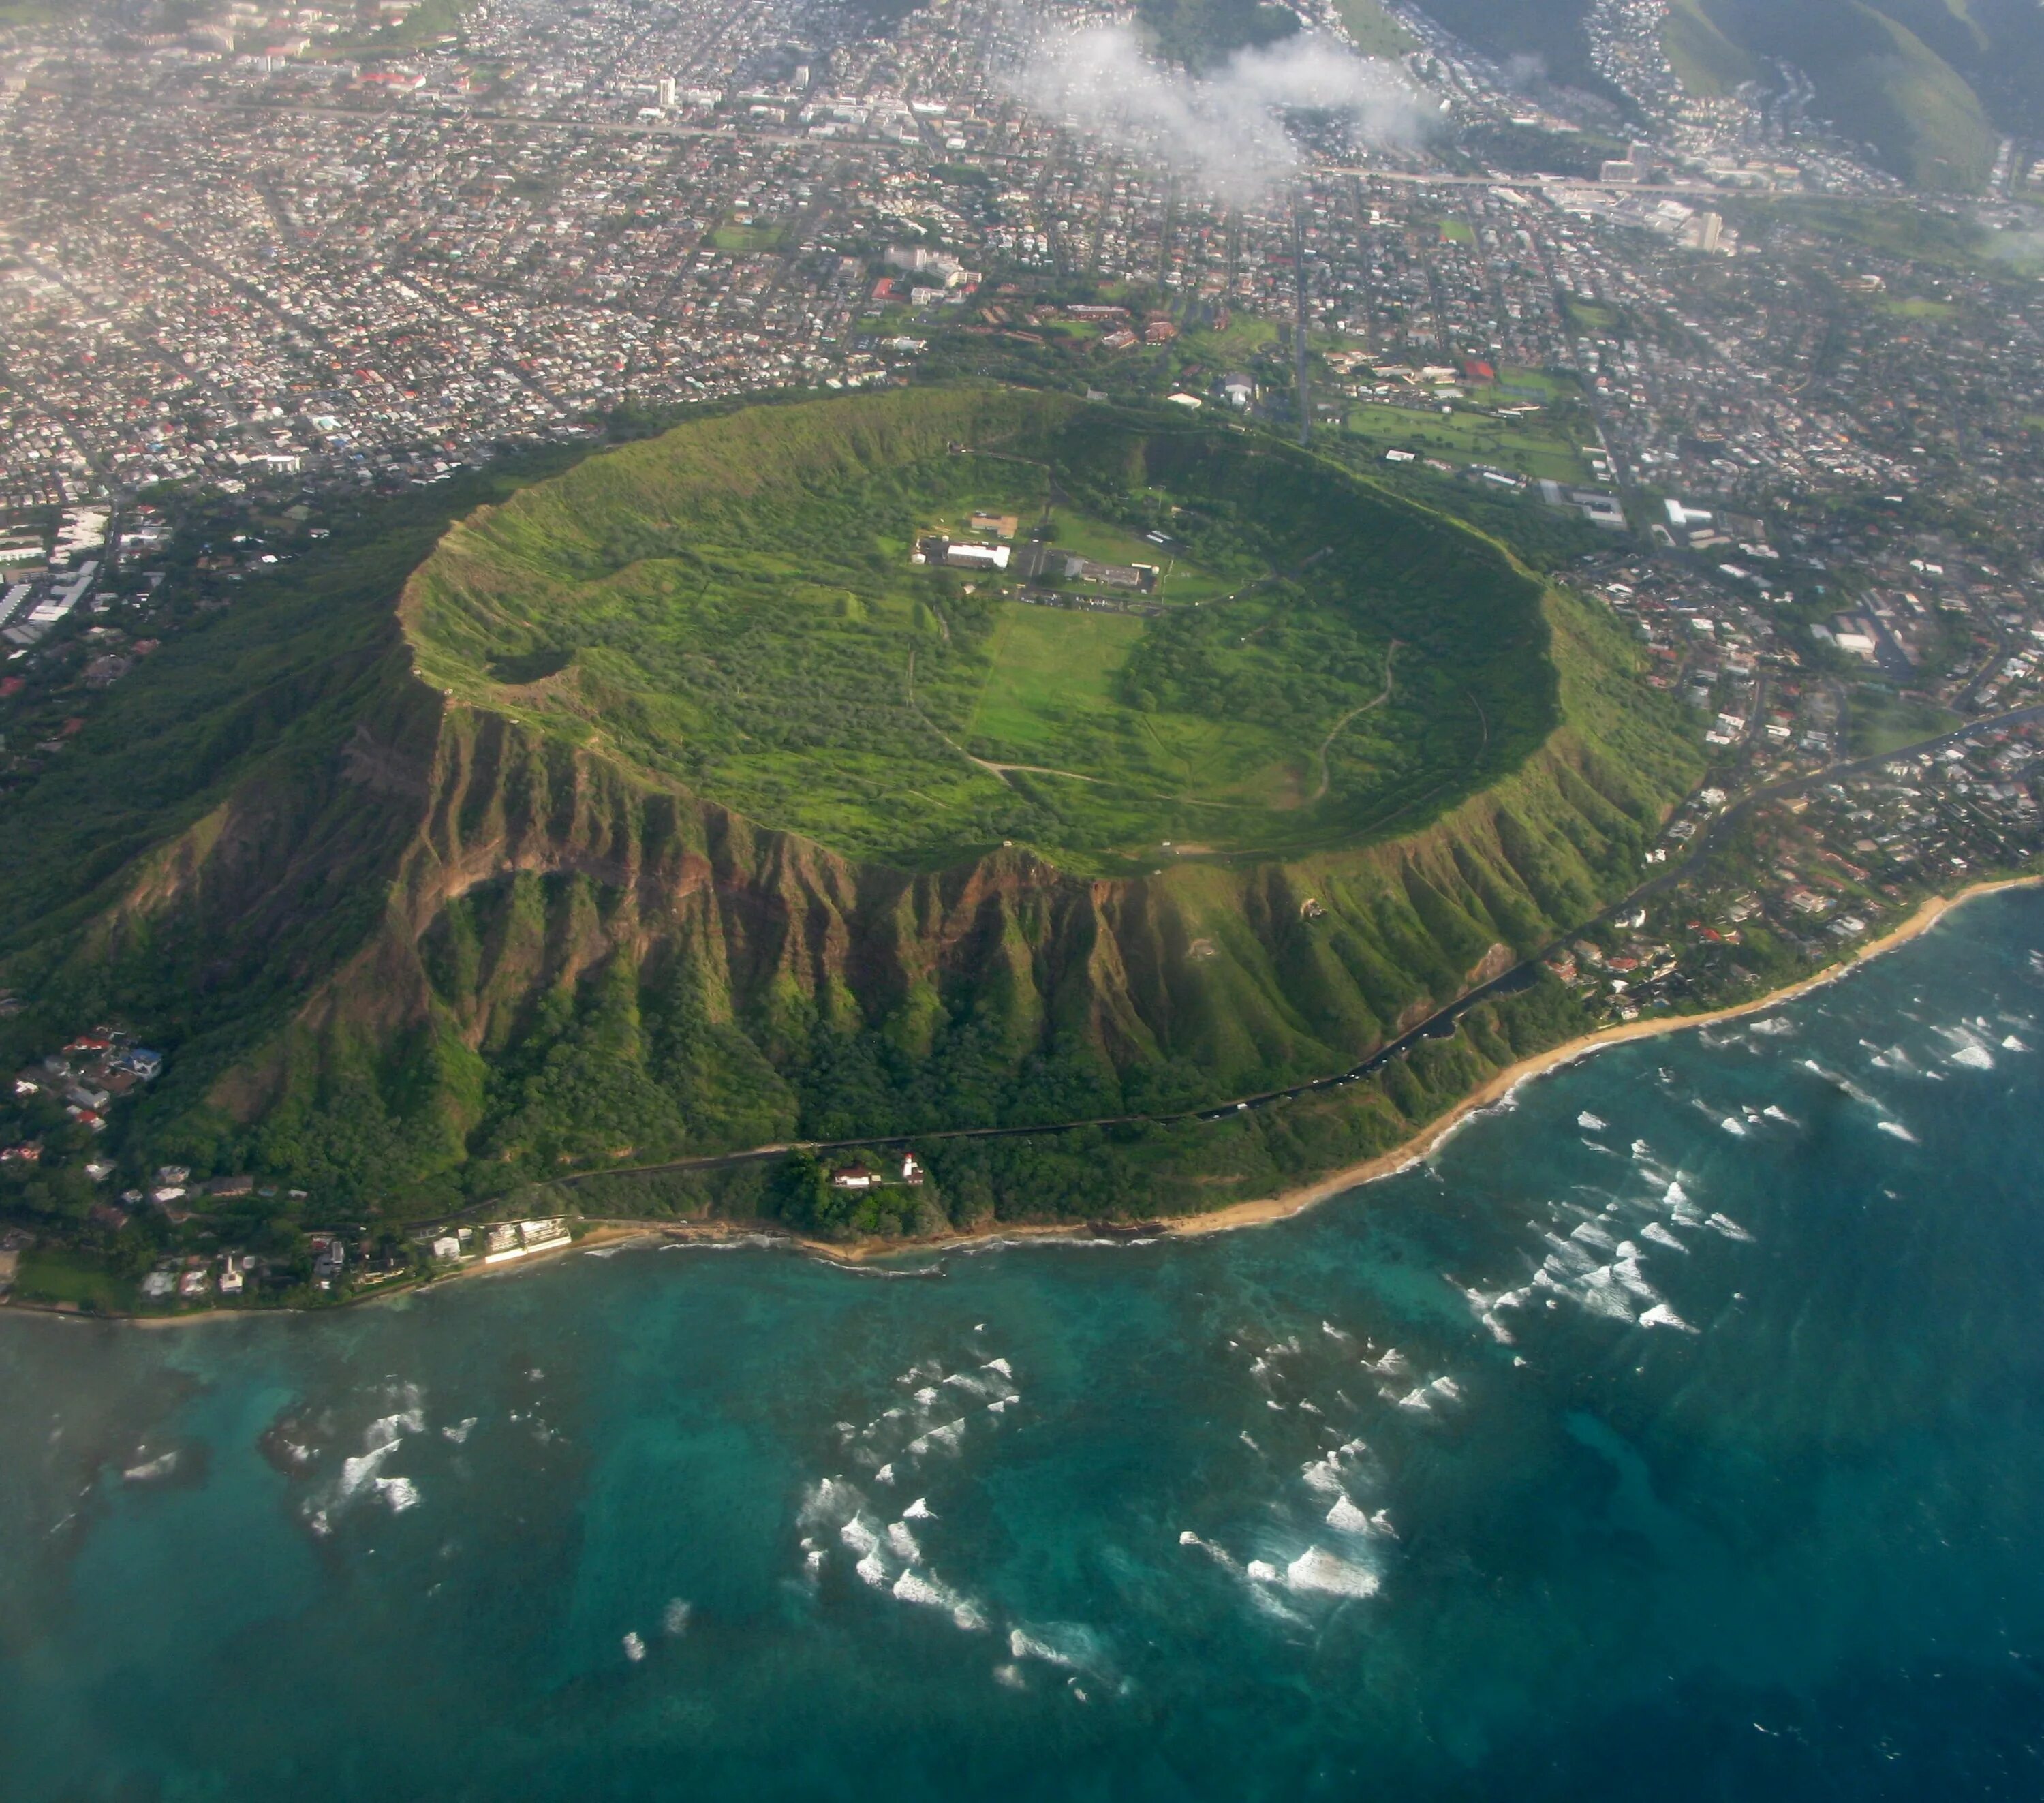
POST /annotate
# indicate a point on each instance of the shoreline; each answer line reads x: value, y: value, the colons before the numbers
x: 1257, y: 1212
x: 1296, y: 1201
x: 1262, y: 1211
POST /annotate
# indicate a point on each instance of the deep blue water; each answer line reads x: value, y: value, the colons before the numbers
x: 1677, y: 1432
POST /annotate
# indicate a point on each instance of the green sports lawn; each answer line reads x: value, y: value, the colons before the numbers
x: 742, y: 240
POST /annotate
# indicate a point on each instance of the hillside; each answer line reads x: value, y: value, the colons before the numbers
x: 409, y: 947
x: 1912, y: 98
x: 1301, y: 660
x: 1929, y: 84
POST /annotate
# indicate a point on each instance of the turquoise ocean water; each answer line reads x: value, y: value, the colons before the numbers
x: 1677, y: 1432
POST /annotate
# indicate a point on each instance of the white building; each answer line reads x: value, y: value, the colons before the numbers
x: 978, y: 556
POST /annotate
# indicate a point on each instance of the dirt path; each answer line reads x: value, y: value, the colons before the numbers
x: 999, y: 769
x: 1340, y: 725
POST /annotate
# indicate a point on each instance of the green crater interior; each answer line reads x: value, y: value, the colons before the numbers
x: 734, y: 606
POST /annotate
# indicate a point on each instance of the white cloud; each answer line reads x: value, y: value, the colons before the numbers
x: 1225, y: 130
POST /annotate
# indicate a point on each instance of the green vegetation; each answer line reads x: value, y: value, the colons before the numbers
x: 1128, y: 1171
x: 1880, y: 720
x: 1874, y: 74
x: 1591, y: 317
x: 411, y: 952
x: 1373, y: 30
x: 1918, y: 308
x: 1499, y: 144
x: 1201, y: 33
x: 1548, y: 33
x: 1245, y: 336
x: 69, y: 1279
x: 747, y: 241
x: 1534, y: 446
x: 734, y: 607
x: 1950, y: 239
x: 1706, y: 62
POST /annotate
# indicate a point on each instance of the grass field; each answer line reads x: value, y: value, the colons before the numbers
x: 1529, y: 447
x: 1882, y: 722
x: 1373, y: 30
x: 51, y: 1274
x: 732, y: 607
x: 747, y: 241
x: 1054, y: 697
x: 1244, y: 338
x: 1591, y: 317
x: 1553, y: 387
x: 1918, y: 308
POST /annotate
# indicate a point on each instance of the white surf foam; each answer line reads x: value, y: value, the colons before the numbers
x: 1600, y: 1293
x: 1220, y: 1555
x: 925, y: 1592
x: 354, y: 1473
x: 1320, y: 1572
x: 1070, y: 1644
x: 830, y: 1503
x: 945, y: 1438
x: 1345, y: 1518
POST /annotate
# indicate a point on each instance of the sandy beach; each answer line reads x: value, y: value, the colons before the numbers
x: 1261, y: 1211
x: 1289, y: 1202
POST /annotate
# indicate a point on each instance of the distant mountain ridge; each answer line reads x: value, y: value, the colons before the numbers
x: 1931, y: 85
